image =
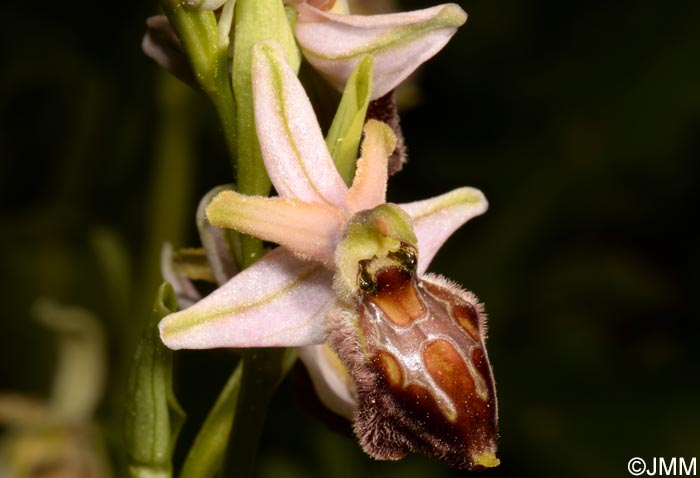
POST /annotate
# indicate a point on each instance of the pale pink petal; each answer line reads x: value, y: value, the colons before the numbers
x: 161, y: 44
x: 368, y: 189
x: 214, y: 240
x: 435, y: 219
x: 280, y: 301
x: 330, y: 379
x: 400, y: 42
x: 185, y: 292
x: 308, y: 229
x: 291, y: 141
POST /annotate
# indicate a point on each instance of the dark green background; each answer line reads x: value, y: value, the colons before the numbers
x: 579, y: 121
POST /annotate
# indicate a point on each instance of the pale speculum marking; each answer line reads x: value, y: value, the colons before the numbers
x: 421, y: 334
x: 423, y: 379
x: 425, y: 336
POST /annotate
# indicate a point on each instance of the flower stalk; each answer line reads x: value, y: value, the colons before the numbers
x: 207, y: 52
x: 206, y: 456
x: 262, y: 372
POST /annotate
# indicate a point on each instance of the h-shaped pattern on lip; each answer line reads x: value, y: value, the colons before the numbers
x: 423, y: 341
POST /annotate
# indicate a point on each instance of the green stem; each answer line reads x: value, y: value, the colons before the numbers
x: 198, y: 33
x: 226, y: 109
x: 263, y: 370
x: 207, y: 453
x: 208, y: 54
x: 251, y: 250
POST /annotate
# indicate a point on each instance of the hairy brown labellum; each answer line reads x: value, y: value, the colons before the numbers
x: 420, y: 366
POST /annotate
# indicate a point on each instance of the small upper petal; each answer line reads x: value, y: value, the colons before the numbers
x: 185, y: 291
x: 400, y: 42
x: 280, y: 301
x: 368, y: 189
x: 214, y: 241
x: 435, y: 219
x: 292, y: 145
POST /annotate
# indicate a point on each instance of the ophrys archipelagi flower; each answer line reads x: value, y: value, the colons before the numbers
x: 334, y: 41
x: 350, y: 273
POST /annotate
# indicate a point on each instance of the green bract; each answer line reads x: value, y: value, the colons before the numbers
x: 153, y: 416
x: 343, y: 138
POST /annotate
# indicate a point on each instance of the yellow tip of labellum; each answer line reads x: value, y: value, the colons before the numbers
x: 486, y: 459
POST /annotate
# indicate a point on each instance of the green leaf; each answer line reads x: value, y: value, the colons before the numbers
x: 153, y: 417
x: 343, y: 139
x: 206, y: 455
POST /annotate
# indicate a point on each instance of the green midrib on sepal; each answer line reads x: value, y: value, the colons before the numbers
x: 186, y: 323
x: 451, y: 16
x: 458, y: 197
x: 278, y: 82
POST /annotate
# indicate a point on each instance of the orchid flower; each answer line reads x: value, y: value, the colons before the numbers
x: 333, y: 43
x: 408, y: 361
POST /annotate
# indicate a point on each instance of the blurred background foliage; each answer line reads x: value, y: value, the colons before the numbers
x: 580, y: 122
